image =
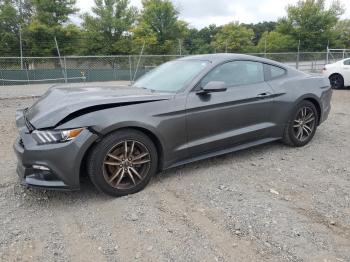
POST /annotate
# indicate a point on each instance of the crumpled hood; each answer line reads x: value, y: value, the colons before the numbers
x: 58, y: 103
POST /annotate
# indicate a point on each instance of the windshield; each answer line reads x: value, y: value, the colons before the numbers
x: 171, y: 76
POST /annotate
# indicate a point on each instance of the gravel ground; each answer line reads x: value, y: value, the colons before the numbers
x: 270, y: 203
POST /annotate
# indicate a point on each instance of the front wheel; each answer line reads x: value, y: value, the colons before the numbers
x: 337, y: 81
x: 302, y: 125
x: 123, y: 162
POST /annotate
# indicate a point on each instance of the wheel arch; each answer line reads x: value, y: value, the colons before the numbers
x: 317, y: 105
x: 335, y: 73
x: 154, y: 138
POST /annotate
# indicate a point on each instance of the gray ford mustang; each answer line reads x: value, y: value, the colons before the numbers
x: 185, y: 110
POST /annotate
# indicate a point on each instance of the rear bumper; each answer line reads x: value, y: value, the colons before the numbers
x: 54, y: 166
x: 325, y: 114
x: 326, y: 104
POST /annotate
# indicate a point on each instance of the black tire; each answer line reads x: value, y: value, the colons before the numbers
x: 337, y: 81
x: 97, y: 169
x: 291, y: 135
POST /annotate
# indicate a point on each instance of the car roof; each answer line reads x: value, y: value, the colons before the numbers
x: 218, y: 58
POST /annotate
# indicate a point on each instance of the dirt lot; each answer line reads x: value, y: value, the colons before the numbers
x: 271, y: 203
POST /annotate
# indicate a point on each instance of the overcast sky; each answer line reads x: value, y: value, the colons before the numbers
x: 200, y: 13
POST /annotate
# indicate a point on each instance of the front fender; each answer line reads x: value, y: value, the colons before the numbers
x: 168, y: 129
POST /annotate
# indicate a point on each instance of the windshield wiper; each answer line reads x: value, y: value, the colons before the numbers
x: 145, y: 88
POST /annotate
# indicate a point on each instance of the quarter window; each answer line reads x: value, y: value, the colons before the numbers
x: 236, y: 73
x: 347, y: 62
x: 276, y: 71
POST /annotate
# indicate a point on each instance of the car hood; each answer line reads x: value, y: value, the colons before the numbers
x: 59, y: 103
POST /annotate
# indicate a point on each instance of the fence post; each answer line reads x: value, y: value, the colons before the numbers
x: 2, y: 77
x: 138, y: 62
x: 115, y: 71
x: 298, y: 56
x: 28, y: 81
x: 65, y: 70
x: 130, y: 68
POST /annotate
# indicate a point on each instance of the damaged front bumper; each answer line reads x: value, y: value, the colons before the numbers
x: 52, y: 166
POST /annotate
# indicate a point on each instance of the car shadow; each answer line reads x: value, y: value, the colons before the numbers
x: 251, y: 153
x: 88, y: 192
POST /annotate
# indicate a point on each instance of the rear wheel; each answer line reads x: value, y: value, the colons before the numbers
x: 302, y: 125
x: 123, y: 163
x: 337, y: 81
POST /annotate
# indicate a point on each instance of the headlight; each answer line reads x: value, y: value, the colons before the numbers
x: 55, y: 136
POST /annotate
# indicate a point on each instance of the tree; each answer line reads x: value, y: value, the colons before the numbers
x: 50, y: 20
x: 9, y: 30
x: 234, y: 37
x: 159, y: 27
x: 53, y: 13
x: 276, y: 42
x: 107, y: 32
x: 260, y: 28
x: 342, y: 30
x: 199, y: 41
x: 312, y: 23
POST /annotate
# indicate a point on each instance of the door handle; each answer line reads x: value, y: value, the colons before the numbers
x: 264, y: 95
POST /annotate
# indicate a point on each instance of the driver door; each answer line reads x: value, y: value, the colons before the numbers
x: 242, y: 113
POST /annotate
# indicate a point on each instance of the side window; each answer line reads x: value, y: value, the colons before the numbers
x: 275, y: 71
x: 347, y: 62
x: 236, y: 73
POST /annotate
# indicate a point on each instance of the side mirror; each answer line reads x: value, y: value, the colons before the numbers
x: 213, y: 87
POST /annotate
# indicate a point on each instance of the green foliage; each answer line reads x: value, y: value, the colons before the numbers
x: 342, y: 30
x: 53, y: 13
x: 9, y: 29
x: 107, y: 31
x: 199, y: 41
x: 234, y: 37
x: 159, y: 27
x: 276, y: 42
x: 312, y: 23
x: 261, y: 28
x: 115, y: 27
x: 49, y: 21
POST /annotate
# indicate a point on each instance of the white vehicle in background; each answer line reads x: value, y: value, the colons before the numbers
x: 338, y: 73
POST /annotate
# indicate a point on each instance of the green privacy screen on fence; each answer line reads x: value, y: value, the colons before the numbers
x: 30, y: 70
x: 35, y: 70
x: 20, y: 77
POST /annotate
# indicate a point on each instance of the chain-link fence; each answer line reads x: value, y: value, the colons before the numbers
x: 34, y: 70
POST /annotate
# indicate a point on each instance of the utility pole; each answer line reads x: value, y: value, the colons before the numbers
x: 265, y: 46
x: 20, y: 33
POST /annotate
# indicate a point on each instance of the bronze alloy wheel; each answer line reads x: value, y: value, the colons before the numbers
x: 304, y: 123
x: 126, y: 164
